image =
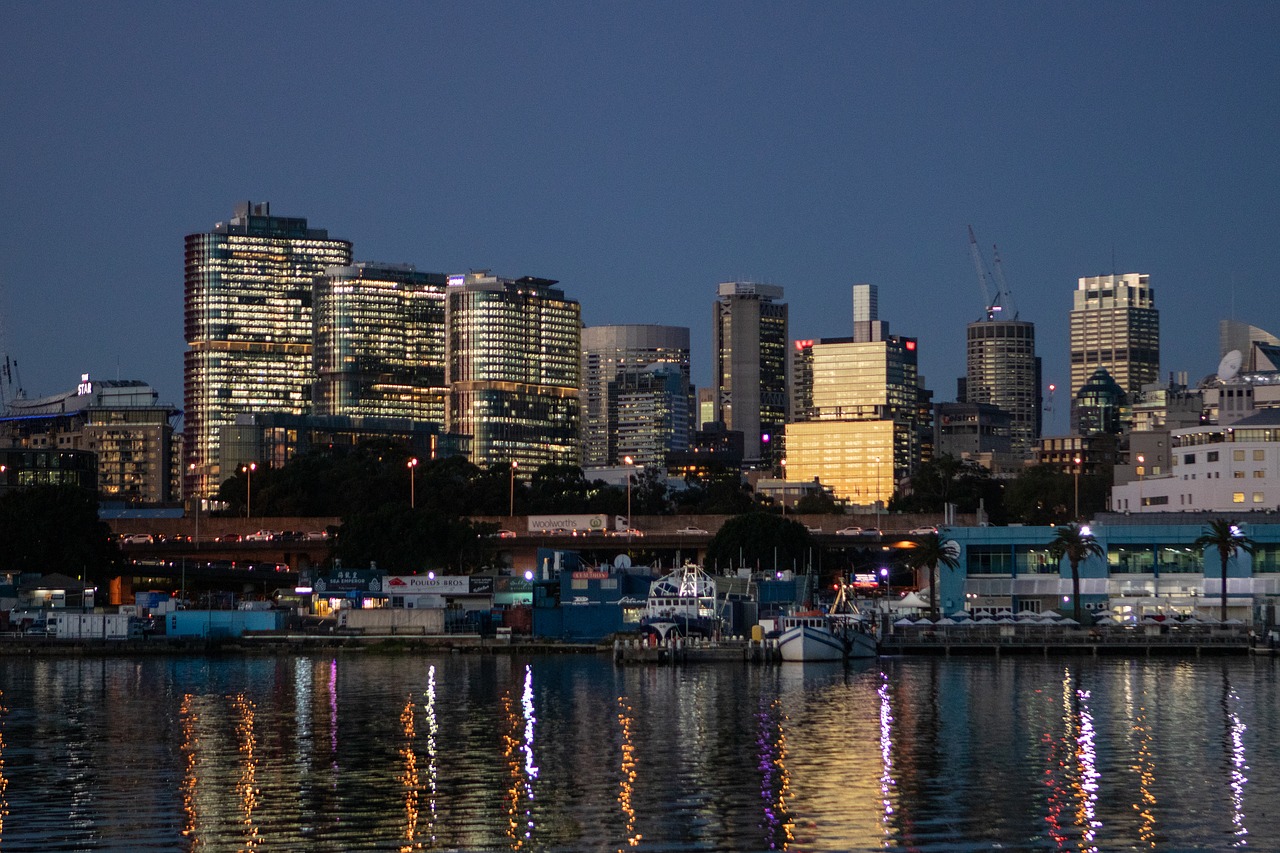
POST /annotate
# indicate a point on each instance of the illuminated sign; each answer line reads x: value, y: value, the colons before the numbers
x: 85, y: 387
x: 911, y: 345
x: 456, y: 280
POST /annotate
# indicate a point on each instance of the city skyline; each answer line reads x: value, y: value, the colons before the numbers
x: 657, y: 155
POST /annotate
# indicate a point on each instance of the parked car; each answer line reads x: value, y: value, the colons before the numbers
x: 691, y: 531
x: 261, y: 536
x: 138, y: 539
x: 228, y: 537
x: 921, y: 531
x: 873, y: 532
x: 506, y: 534
x: 849, y: 531
x: 315, y: 536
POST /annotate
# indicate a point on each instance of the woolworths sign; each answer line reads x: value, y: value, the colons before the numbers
x: 568, y: 523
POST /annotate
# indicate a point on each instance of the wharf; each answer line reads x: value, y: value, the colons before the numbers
x: 693, y: 650
x: 1139, y: 641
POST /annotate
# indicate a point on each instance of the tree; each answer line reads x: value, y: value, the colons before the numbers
x: 760, y: 539
x: 56, y: 529
x: 1226, y: 538
x: 929, y: 553
x: 1077, y: 544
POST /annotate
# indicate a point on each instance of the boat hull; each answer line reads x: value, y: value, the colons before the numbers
x: 807, y: 643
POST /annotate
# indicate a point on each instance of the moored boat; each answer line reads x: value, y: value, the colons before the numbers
x: 815, y: 635
x: 682, y: 603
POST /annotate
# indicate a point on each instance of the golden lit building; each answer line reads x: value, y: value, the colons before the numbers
x: 1115, y: 325
x: 863, y: 428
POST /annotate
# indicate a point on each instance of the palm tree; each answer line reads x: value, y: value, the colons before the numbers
x: 930, y: 550
x: 1223, y: 536
x: 1077, y: 544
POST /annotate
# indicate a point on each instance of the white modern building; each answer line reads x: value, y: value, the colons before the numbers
x: 1229, y: 469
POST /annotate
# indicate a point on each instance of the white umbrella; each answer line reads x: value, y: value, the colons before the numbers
x: 1005, y: 620
x: 1105, y: 620
x: 946, y: 620
x: 904, y: 621
x: 1045, y: 620
x: 1233, y: 622
x: 1068, y: 621
x: 1053, y: 614
x: 1149, y: 619
x: 960, y: 614
x: 924, y: 620
x: 986, y: 621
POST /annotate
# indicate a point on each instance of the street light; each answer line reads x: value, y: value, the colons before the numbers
x: 511, y: 509
x: 1141, y: 471
x: 1077, y: 478
x: 248, y: 502
x: 195, y: 504
x: 413, y: 464
x: 630, y: 462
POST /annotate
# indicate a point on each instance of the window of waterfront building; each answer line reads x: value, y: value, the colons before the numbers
x: 1211, y: 456
x: 1266, y: 559
x: 1237, y: 455
x: 1179, y: 560
x: 1123, y: 559
x: 1259, y: 475
x: 1257, y: 497
x: 1238, y: 475
x: 989, y: 560
x: 1189, y: 459
x: 1237, y: 497
x: 1034, y: 561
x: 1259, y: 455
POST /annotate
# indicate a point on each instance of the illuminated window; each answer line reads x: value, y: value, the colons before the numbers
x: 1237, y: 497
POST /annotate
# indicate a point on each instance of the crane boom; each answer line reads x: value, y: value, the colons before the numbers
x: 980, y: 268
x: 1004, y: 298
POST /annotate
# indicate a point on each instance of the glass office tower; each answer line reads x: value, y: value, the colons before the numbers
x: 379, y: 343
x: 248, y: 327
x: 514, y: 356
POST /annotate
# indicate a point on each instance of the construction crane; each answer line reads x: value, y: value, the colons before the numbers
x: 1003, y: 297
x: 980, y: 267
x: 992, y: 305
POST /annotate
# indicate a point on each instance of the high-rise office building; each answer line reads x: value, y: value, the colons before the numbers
x: 513, y: 356
x: 248, y: 326
x: 379, y: 343
x: 1115, y: 325
x: 750, y: 372
x: 863, y: 429
x: 621, y: 367
x: 1003, y: 371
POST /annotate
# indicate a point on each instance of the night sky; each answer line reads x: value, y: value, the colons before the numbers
x: 643, y: 152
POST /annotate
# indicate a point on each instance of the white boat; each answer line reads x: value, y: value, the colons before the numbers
x: 682, y: 603
x: 814, y: 635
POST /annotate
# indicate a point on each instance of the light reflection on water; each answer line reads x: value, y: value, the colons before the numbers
x: 482, y: 752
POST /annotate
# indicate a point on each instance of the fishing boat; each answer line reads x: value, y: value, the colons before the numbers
x: 836, y: 634
x: 682, y: 603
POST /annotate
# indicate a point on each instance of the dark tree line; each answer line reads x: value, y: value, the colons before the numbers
x: 46, y: 529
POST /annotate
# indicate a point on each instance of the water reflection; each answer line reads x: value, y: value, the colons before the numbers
x: 247, y: 743
x: 433, y: 769
x: 775, y: 783
x: 1236, y: 760
x: 627, y: 783
x: 888, y: 783
x: 4, y: 781
x: 518, y: 751
x: 409, y: 778
x: 190, y: 742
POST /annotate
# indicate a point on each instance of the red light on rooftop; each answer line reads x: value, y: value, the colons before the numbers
x: 911, y: 345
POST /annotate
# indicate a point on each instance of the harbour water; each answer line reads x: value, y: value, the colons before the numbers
x: 362, y: 751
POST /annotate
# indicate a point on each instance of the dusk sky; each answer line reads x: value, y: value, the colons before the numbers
x: 641, y: 153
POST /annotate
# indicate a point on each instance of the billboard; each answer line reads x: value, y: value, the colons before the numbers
x: 575, y: 524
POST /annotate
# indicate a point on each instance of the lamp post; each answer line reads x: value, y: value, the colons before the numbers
x: 248, y: 502
x: 1076, y: 473
x: 511, y: 508
x: 1141, y: 471
x: 412, y: 465
x: 195, y: 505
x: 630, y: 462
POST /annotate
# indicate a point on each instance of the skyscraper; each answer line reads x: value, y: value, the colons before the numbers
x: 863, y: 428
x: 1115, y: 325
x: 379, y: 343
x: 248, y: 326
x: 1003, y: 371
x: 750, y: 372
x: 513, y: 356
x: 623, y: 378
